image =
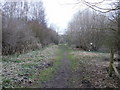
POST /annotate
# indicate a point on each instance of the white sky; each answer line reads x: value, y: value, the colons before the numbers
x: 60, y: 12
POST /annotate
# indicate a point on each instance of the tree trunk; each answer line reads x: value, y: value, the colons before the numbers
x: 118, y: 35
x: 118, y: 59
x: 111, y: 62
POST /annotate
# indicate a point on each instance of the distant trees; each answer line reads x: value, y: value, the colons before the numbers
x: 86, y: 29
x: 45, y: 35
x: 24, y: 27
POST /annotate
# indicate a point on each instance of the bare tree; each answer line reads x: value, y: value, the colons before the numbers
x: 87, y: 27
x: 24, y: 27
x: 112, y: 32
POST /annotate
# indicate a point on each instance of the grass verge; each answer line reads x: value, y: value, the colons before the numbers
x: 73, y: 60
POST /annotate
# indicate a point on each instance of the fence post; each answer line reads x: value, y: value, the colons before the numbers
x: 111, y: 62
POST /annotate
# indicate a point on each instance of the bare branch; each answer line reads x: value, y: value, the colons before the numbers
x: 96, y: 8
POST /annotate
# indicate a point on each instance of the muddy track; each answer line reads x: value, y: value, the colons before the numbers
x: 62, y: 76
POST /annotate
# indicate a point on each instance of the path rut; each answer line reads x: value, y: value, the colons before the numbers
x: 62, y: 76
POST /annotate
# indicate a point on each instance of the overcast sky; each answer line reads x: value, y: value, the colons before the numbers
x: 60, y: 12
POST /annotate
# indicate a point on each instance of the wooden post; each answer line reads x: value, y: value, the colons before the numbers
x: 116, y: 71
x: 111, y: 62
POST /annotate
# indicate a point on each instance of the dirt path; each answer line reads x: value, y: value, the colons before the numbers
x: 62, y: 76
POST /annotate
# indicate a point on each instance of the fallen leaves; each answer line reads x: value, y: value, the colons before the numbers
x: 92, y: 69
